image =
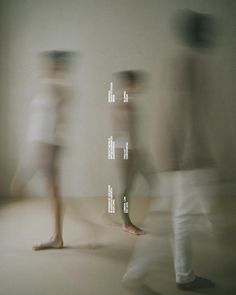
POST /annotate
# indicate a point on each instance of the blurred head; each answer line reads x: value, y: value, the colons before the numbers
x: 56, y: 62
x: 195, y: 29
x: 132, y: 81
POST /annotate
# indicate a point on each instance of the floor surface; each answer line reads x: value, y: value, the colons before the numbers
x: 97, y: 251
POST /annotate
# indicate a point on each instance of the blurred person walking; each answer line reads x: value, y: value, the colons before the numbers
x: 46, y: 136
x: 186, y: 158
x: 132, y: 158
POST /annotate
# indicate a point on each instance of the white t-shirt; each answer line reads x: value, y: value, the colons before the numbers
x: 121, y: 121
x: 46, y: 112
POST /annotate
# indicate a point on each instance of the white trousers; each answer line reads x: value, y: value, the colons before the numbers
x: 192, y: 194
x: 189, y: 196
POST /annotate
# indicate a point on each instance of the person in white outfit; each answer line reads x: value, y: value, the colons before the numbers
x: 187, y: 163
x: 46, y: 135
x: 125, y: 118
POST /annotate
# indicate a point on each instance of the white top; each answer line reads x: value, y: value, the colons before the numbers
x: 122, y: 118
x: 46, y: 112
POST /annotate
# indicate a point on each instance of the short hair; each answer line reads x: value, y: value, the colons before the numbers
x: 195, y: 29
x: 132, y: 76
x: 57, y: 57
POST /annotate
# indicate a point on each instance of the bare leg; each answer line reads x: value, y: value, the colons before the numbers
x: 128, y: 174
x: 56, y: 242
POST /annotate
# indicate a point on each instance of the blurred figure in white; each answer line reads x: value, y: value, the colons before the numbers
x: 132, y: 159
x: 187, y: 160
x: 46, y: 135
x: 189, y: 150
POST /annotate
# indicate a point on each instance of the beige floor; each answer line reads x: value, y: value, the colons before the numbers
x: 96, y: 254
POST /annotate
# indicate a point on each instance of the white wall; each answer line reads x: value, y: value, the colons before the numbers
x: 109, y: 36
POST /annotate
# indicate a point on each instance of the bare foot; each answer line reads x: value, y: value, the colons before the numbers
x: 132, y: 229
x: 54, y: 243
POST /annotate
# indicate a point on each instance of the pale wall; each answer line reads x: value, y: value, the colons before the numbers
x: 109, y: 36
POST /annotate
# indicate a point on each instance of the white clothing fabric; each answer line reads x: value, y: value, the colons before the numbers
x: 121, y: 141
x: 122, y: 118
x: 193, y: 193
x: 46, y: 111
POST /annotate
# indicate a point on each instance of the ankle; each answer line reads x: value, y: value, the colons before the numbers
x: 57, y: 237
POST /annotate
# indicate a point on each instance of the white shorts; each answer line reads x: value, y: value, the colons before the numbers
x: 121, y: 141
